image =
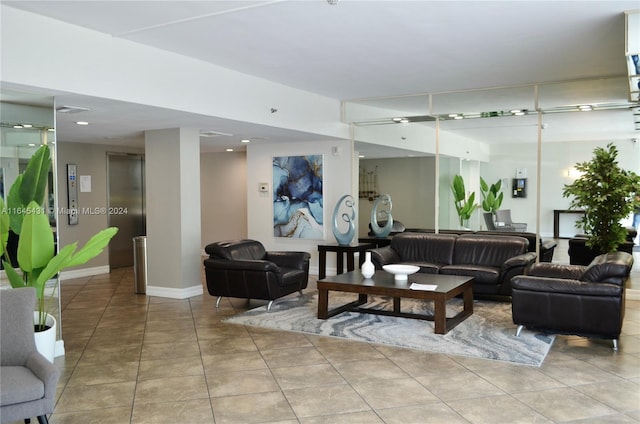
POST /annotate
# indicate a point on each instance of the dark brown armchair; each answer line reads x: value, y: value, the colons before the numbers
x: 244, y: 269
x: 581, y: 300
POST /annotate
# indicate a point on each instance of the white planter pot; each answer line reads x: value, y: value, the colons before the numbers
x: 46, y: 340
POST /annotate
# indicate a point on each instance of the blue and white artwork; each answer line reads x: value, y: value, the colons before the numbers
x: 297, y: 197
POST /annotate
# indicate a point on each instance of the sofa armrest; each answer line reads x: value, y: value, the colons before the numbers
x: 520, y: 261
x: 550, y: 270
x: 241, y: 265
x: 383, y: 256
x: 287, y: 259
x: 564, y: 286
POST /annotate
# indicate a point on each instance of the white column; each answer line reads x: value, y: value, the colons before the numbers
x: 172, y: 177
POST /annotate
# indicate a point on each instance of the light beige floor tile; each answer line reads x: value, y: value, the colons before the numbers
x: 241, y: 382
x: 110, y: 354
x: 623, y: 396
x: 280, y: 358
x: 239, y: 361
x: 307, y: 376
x: 103, y: 374
x: 375, y: 369
x: 394, y: 393
x: 332, y: 400
x: 564, y: 404
x: 366, y: 417
x: 230, y: 345
x: 281, y: 340
x: 338, y: 350
x: 151, y: 351
x: 171, y: 389
x: 83, y: 398
x: 174, y: 367
x: 96, y: 416
x: 516, y: 379
x: 188, y: 411
x: 497, y: 410
x: 459, y: 385
x: 430, y: 413
x: 251, y: 408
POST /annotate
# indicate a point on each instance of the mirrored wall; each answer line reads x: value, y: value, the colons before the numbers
x: 27, y: 122
x: 526, y: 138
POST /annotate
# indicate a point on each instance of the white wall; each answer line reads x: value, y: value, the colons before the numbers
x: 223, y: 188
x: 338, y: 181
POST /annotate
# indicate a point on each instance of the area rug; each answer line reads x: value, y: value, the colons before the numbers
x: 489, y: 333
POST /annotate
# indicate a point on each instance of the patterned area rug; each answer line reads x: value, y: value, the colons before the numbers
x: 489, y: 333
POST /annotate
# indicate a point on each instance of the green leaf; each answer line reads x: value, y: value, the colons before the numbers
x: 4, y: 227
x: 36, y: 245
x: 35, y: 177
x: 15, y: 279
x: 56, y: 264
x: 93, y: 247
x: 15, y: 206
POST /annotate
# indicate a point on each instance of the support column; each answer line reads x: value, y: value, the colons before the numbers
x: 172, y: 177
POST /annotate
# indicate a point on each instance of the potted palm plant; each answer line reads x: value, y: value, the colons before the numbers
x: 606, y: 193
x: 25, y: 215
x: 465, y: 205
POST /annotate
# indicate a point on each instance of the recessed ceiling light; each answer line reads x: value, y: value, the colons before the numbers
x: 246, y: 140
x: 229, y: 150
x: 17, y: 127
x: 82, y: 123
x: 458, y: 117
x: 404, y: 120
x: 585, y: 108
x: 397, y: 119
x: 32, y: 145
x: 27, y: 125
x: 71, y: 109
x: 453, y: 115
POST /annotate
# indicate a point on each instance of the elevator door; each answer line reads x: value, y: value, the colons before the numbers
x: 126, y: 205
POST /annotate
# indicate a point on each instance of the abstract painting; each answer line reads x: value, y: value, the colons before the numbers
x: 297, y: 197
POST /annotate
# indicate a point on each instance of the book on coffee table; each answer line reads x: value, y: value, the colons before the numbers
x: 425, y: 287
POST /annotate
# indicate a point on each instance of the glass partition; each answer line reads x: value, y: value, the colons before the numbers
x: 26, y: 123
x: 527, y: 138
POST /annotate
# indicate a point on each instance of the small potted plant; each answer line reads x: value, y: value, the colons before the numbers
x: 25, y: 215
x: 607, y: 194
x: 492, y: 195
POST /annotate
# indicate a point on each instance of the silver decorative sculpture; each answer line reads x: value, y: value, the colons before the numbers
x: 349, y: 204
x: 383, y: 201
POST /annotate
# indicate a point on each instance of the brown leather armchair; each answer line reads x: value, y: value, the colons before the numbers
x: 244, y: 269
x: 580, y: 300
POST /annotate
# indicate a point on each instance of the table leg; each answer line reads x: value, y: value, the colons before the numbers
x: 323, y: 304
x: 440, y: 316
x: 322, y: 264
x: 340, y: 263
x: 467, y: 299
x: 396, y: 305
x: 350, y: 261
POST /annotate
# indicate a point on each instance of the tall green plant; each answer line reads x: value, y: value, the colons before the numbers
x: 492, y: 195
x: 465, y: 205
x: 606, y: 193
x: 26, y: 216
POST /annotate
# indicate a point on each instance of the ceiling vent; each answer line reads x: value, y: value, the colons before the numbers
x: 71, y: 109
x: 211, y: 133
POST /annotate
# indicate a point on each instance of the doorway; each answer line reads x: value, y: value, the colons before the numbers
x: 126, y: 205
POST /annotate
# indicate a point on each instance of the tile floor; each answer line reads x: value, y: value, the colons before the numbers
x: 137, y: 359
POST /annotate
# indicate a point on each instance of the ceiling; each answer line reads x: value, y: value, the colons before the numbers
x: 351, y: 50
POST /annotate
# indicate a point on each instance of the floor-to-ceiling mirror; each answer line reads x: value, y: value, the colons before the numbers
x: 26, y: 123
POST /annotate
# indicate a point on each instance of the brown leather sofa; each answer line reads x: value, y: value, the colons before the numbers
x: 244, y: 269
x: 547, y: 247
x: 491, y: 260
x: 581, y: 254
x: 573, y: 299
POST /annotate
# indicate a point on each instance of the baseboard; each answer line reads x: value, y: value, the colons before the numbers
x: 59, y: 349
x: 172, y: 293
x: 84, y: 272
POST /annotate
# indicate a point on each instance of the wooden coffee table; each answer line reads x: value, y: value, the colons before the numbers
x: 383, y: 284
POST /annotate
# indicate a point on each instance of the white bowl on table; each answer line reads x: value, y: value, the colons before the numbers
x: 401, y: 272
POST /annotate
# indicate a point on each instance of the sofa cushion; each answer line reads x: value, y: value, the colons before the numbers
x: 237, y: 250
x: 423, y: 247
x: 610, y: 267
x: 481, y: 274
x: 488, y: 251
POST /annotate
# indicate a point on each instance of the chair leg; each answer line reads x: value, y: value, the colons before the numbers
x: 42, y: 419
x: 269, y: 305
x: 615, y: 344
x: 218, y: 302
x: 300, y: 292
x: 519, y: 330
x: 27, y: 420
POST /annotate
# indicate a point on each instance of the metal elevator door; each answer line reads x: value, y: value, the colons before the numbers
x: 126, y: 205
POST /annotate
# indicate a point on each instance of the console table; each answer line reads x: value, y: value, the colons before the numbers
x: 341, y: 250
x: 556, y: 219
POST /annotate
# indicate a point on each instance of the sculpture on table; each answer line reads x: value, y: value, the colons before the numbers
x: 346, y: 202
x: 382, y: 208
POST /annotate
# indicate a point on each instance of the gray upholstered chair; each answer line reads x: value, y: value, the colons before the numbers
x: 28, y: 381
x: 503, y: 216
